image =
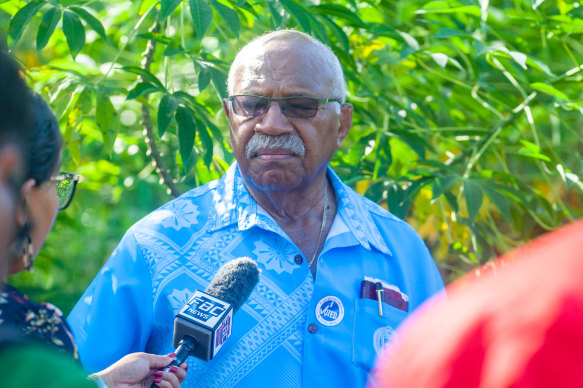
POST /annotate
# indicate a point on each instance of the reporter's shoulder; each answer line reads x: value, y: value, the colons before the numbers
x: 52, y: 369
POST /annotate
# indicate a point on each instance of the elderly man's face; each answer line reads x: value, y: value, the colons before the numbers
x: 284, y: 69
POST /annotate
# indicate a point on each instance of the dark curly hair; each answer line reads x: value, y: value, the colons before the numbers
x: 15, y: 99
x: 43, y: 150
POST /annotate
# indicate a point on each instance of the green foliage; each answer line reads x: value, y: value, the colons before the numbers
x: 468, y: 114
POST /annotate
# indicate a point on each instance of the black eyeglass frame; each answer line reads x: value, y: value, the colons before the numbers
x: 63, y: 176
x: 320, y: 101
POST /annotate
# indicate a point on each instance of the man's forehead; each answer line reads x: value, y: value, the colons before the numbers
x: 280, y: 61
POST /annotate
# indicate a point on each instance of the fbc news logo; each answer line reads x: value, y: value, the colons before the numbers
x: 204, y: 308
x: 329, y: 311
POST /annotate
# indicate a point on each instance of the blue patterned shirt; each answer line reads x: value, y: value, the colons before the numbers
x: 293, y: 331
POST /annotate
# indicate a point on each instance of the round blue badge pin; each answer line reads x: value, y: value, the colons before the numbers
x: 329, y: 311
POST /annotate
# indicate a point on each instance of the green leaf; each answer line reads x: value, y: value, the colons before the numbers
x: 531, y: 150
x: 443, y: 184
x: 106, y: 120
x: 204, y: 78
x: 410, y: 45
x: 519, y: 58
x: 337, y: 11
x: 275, y: 14
x: 85, y: 102
x: 229, y: 16
x: 166, y: 110
x: 548, y: 89
x: 384, y: 30
x: 142, y: 89
x: 299, y: 12
x: 167, y: 7
x: 156, y: 37
x: 146, y: 75
x: 219, y: 81
x: 443, y: 33
x: 47, y: 27
x: 21, y: 19
x: 440, y: 59
x: 173, y: 48
x: 186, y: 132
x: 410, y: 40
x: 202, y: 16
x: 184, y: 97
x: 356, y: 151
x: 338, y: 32
x: 474, y: 197
x: 500, y: 201
x: 74, y: 32
x: 444, y: 7
x: 91, y: 20
x: 540, y: 65
x: 207, y: 142
x: 202, y: 114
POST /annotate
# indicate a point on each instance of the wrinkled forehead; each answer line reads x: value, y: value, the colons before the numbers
x: 293, y: 64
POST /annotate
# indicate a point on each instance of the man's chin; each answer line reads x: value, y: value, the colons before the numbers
x: 273, y: 180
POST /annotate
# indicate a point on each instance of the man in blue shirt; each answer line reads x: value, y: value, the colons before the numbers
x: 339, y: 273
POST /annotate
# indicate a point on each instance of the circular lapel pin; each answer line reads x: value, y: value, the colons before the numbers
x: 329, y: 311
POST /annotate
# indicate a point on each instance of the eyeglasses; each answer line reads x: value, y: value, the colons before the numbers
x: 250, y: 105
x: 66, y: 184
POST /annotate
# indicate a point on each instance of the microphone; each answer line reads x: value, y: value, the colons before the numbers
x: 204, y: 323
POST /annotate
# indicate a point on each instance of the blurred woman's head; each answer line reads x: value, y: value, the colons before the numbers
x: 15, y: 130
x: 39, y: 202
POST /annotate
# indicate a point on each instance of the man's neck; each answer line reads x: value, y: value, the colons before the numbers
x: 306, y: 216
x: 292, y: 205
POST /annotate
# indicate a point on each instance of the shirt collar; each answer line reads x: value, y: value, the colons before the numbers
x: 356, y: 211
x: 233, y: 204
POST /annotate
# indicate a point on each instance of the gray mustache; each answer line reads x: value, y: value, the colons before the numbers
x: 286, y: 141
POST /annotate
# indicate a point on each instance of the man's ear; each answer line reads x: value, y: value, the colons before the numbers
x: 345, y: 119
x: 21, y: 210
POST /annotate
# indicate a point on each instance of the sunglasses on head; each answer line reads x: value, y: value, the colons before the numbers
x: 250, y: 105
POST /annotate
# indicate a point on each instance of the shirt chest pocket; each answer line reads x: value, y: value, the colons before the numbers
x: 371, y: 331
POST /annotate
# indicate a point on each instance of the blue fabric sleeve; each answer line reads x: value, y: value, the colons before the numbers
x: 114, y: 315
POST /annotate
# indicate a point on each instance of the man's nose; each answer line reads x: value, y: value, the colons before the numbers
x: 274, y: 122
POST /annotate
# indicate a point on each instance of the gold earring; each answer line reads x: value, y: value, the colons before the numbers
x: 27, y: 247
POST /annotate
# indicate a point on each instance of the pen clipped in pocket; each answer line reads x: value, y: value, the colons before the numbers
x: 383, y: 292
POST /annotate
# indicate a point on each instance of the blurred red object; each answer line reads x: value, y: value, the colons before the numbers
x: 518, y: 322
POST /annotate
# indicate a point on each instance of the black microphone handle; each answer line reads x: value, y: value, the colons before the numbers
x: 184, y: 349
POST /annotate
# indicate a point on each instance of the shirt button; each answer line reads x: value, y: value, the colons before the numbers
x: 313, y: 328
x: 298, y: 259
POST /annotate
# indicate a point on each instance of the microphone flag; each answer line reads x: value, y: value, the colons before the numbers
x: 208, y: 320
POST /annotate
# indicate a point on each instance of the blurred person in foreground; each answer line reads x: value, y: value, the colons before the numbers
x: 518, y: 324
x: 338, y: 272
x: 30, y: 333
x: 14, y: 132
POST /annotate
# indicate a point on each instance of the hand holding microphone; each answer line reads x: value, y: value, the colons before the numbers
x: 203, y: 325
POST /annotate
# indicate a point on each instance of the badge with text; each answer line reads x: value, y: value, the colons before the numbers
x: 329, y: 311
x: 205, y: 309
x: 212, y: 318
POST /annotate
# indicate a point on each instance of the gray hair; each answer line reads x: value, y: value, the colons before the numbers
x: 338, y: 88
